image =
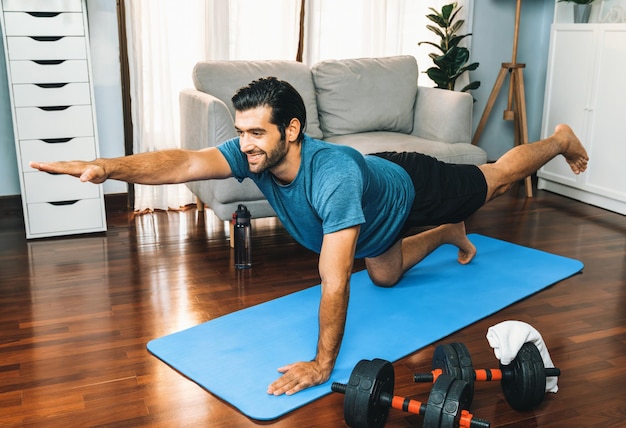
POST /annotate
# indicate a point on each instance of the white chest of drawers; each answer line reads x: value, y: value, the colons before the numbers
x: 47, y: 56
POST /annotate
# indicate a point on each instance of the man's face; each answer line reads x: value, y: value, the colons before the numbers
x: 259, y: 139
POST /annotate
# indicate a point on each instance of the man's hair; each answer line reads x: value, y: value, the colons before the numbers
x: 282, y: 98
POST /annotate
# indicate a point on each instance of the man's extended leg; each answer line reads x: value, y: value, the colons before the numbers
x: 522, y: 161
x: 516, y: 164
x: 387, y: 269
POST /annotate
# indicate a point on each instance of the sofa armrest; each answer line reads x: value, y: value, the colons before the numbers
x: 205, y: 121
x: 443, y: 115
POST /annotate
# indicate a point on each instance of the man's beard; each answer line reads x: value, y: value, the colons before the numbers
x: 272, y: 158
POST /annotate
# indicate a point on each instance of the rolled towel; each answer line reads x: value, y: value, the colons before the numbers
x: 507, y: 338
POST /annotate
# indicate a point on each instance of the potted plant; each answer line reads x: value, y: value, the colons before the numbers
x: 451, y: 60
x: 582, y: 9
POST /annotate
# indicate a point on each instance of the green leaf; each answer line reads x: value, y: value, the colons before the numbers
x: 437, y: 76
x: 454, y: 41
x: 436, y: 30
x: 438, y: 20
x: 457, y: 26
x: 471, y: 86
x: 447, y: 10
x: 473, y: 66
x: 458, y: 56
x: 432, y: 44
x: 453, y: 17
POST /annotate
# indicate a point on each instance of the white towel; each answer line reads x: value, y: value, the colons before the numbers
x: 507, y: 338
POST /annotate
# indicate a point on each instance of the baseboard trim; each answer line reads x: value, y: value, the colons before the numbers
x: 10, y: 206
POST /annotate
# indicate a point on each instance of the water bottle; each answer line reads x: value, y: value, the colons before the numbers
x: 243, y: 238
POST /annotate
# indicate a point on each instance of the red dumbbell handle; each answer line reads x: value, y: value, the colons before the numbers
x: 403, y: 403
x: 408, y: 405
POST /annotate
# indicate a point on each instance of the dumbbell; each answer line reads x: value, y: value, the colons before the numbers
x: 369, y: 396
x: 523, y: 381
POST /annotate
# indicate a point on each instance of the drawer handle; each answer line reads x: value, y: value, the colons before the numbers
x: 54, y: 108
x: 50, y: 85
x: 44, y: 14
x: 56, y: 140
x: 62, y: 203
x: 48, y: 61
x: 46, y: 38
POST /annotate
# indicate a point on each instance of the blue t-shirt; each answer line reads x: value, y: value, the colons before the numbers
x: 336, y: 188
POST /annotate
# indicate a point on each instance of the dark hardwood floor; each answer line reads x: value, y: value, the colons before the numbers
x: 76, y: 314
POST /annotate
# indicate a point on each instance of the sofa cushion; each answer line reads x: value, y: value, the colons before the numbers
x: 368, y: 94
x: 372, y: 142
x: 223, y: 78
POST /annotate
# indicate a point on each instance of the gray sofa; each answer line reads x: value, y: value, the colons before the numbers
x: 371, y: 104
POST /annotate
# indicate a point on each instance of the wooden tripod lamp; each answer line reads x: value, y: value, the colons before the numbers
x: 516, y: 107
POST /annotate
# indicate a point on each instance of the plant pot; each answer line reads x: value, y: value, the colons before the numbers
x: 581, y: 13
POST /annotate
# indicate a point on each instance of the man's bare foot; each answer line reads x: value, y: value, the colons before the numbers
x: 573, y: 150
x: 455, y: 235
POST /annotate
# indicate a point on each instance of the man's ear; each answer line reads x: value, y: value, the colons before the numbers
x: 293, y: 130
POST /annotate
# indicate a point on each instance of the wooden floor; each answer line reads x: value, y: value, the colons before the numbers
x: 76, y: 314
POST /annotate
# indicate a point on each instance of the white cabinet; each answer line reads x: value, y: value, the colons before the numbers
x: 585, y: 89
x: 47, y: 56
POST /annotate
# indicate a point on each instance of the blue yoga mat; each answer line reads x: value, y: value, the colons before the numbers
x: 236, y: 356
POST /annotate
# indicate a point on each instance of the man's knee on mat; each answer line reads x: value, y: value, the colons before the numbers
x: 386, y: 282
x: 382, y: 277
x: 385, y: 270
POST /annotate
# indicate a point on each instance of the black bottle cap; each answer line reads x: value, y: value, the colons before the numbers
x: 243, y: 215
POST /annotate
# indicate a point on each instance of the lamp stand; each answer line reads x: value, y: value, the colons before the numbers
x: 516, y: 106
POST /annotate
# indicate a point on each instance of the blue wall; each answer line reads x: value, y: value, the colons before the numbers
x: 9, y: 181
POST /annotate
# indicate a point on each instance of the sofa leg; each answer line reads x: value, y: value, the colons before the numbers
x: 199, y: 204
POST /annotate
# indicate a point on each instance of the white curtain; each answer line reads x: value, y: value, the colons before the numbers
x: 268, y: 29
x: 253, y: 29
x: 166, y: 38
x: 370, y: 28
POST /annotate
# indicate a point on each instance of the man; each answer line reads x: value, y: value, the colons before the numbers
x: 337, y: 202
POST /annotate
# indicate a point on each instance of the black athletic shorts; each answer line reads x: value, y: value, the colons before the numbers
x: 444, y: 193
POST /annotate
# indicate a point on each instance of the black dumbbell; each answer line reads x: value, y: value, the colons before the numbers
x: 369, y: 396
x: 523, y: 381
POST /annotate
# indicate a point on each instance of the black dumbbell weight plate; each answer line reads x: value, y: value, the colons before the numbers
x: 369, y: 379
x: 448, y: 397
x: 455, y: 359
x: 458, y: 399
x: 527, y: 387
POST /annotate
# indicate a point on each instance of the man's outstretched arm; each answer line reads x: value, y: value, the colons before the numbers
x: 335, y: 265
x: 160, y: 167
